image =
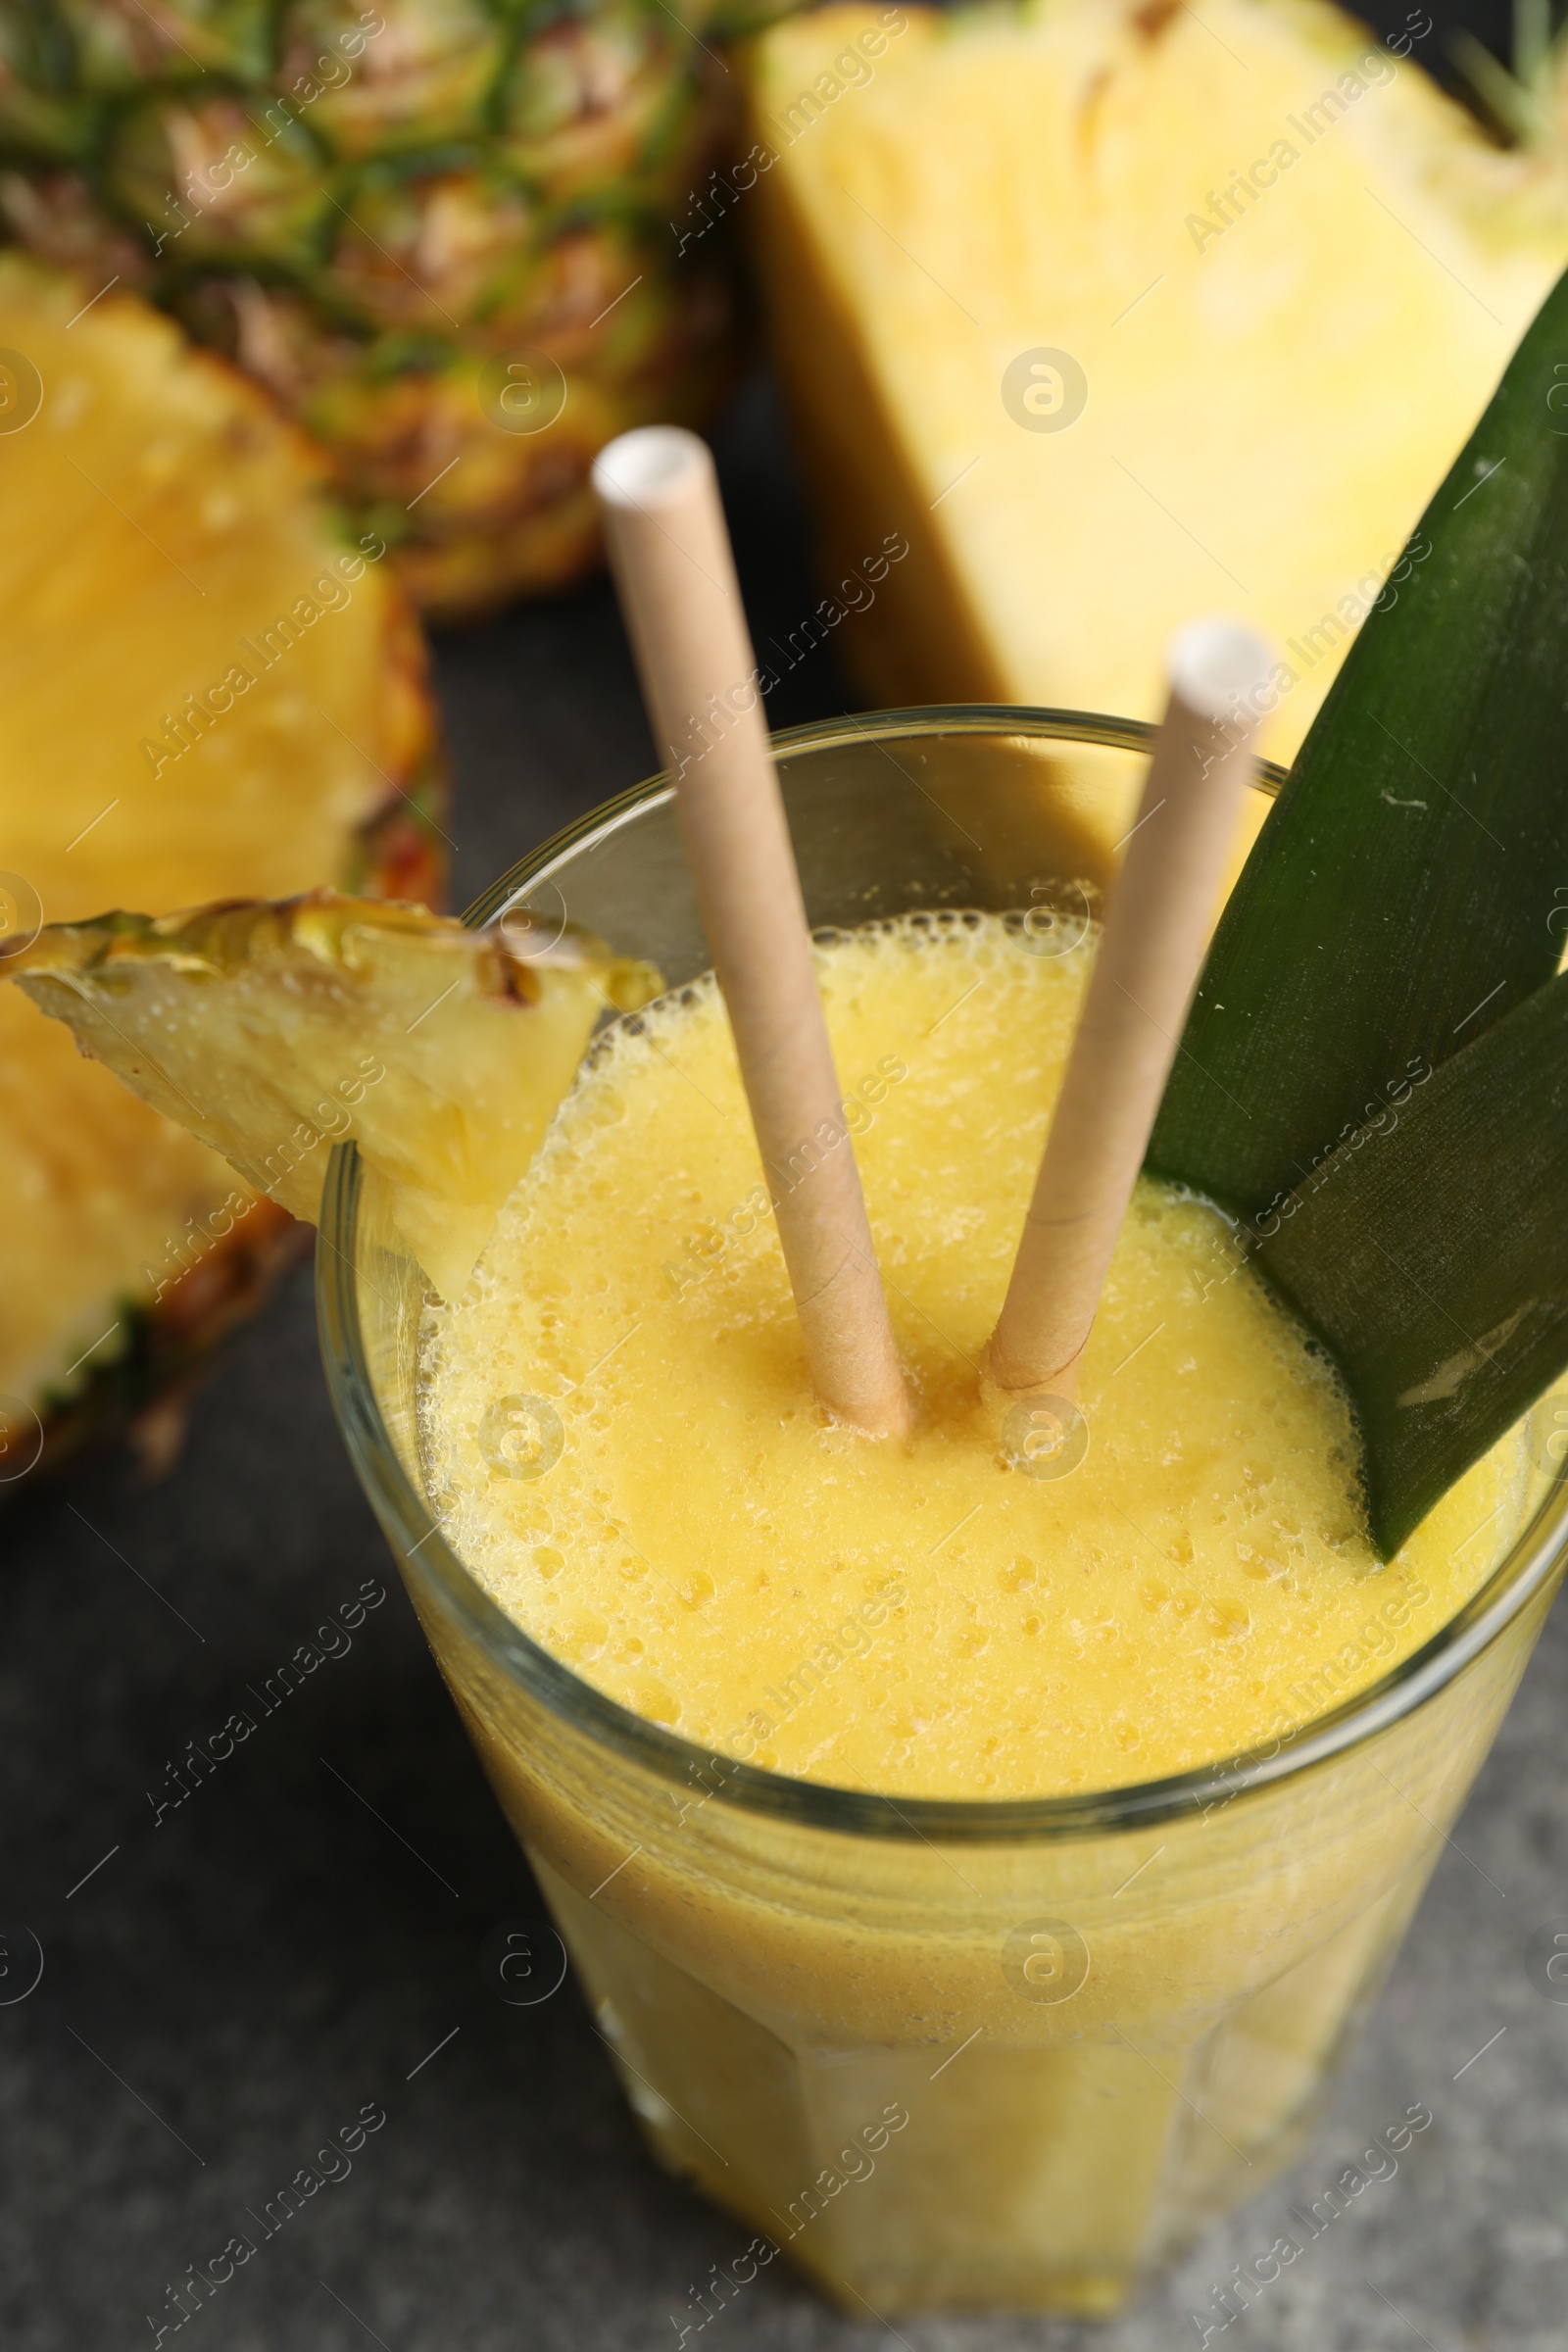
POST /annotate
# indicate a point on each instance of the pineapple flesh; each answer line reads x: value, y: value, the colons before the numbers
x: 1120, y: 313
x: 177, y: 725
x: 272, y: 1031
x: 437, y: 230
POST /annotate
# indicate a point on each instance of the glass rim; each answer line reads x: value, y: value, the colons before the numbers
x: 416, y: 1535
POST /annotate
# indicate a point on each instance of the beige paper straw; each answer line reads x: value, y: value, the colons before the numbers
x: 1150, y: 951
x: 670, y: 555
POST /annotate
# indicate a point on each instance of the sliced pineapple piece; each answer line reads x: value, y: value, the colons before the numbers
x: 209, y: 685
x: 210, y: 688
x: 273, y: 1030
x: 1115, y: 310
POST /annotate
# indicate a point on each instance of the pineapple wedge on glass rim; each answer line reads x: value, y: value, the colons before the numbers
x: 273, y: 1029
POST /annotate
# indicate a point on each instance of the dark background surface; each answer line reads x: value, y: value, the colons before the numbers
x: 224, y: 1991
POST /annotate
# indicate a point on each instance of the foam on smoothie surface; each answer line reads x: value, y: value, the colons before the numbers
x: 711, y: 1551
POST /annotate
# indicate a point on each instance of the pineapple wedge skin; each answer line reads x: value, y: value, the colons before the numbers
x: 1272, y: 398
x: 158, y: 511
x: 272, y: 1030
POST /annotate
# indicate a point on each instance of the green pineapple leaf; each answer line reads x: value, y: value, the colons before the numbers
x: 1431, y: 1253
x: 1400, y: 897
x: 1400, y: 912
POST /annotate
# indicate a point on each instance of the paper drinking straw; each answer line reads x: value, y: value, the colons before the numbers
x: 1150, y: 951
x: 671, y: 555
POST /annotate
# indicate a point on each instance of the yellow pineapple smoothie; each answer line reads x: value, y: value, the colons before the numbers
x: 1005, y: 2051
x: 935, y: 1619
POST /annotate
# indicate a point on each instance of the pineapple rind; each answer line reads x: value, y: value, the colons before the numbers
x: 408, y: 176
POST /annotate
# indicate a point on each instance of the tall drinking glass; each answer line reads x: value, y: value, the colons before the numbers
x: 949, y: 2055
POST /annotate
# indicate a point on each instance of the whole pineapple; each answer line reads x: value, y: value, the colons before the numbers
x: 438, y: 230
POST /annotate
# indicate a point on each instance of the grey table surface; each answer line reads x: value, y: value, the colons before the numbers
x: 225, y: 1987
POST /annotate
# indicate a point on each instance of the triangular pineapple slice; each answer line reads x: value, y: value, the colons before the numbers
x: 273, y: 1029
x: 1109, y: 312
